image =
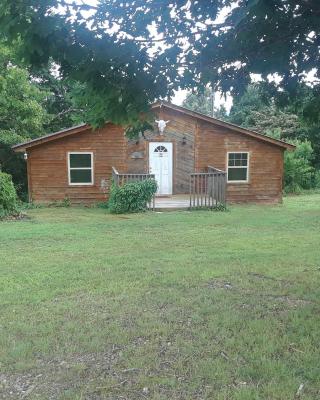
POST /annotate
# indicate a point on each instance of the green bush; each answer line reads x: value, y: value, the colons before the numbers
x: 317, y: 179
x: 8, y: 195
x: 299, y: 173
x: 131, y: 197
x: 298, y: 170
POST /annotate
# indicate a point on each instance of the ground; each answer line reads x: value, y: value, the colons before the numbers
x: 176, y: 305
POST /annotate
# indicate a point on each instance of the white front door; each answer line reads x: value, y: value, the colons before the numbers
x: 160, y: 164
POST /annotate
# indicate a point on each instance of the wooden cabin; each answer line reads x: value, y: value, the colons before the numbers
x: 78, y: 163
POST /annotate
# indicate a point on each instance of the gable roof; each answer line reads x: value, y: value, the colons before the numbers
x: 83, y: 127
x: 51, y: 136
x: 219, y: 122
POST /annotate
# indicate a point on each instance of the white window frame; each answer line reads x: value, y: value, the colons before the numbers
x: 86, y: 168
x: 238, y: 166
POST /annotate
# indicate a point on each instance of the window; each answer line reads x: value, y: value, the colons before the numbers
x: 238, y: 167
x: 161, y: 149
x: 80, y: 168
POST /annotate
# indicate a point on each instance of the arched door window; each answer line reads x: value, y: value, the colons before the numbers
x: 160, y: 149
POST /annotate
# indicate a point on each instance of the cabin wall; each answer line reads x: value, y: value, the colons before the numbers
x: 265, y: 163
x: 180, y: 131
x: 48, y: 165
x: 196, y: 144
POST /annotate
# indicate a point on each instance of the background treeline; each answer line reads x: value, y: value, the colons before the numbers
x: 270, y: 112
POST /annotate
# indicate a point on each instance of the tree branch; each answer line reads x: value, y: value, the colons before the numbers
x: 64, y: 112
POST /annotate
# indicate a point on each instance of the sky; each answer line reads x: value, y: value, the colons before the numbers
x: 179, y: 96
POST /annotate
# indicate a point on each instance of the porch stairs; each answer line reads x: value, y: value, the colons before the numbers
x: 172, y: 203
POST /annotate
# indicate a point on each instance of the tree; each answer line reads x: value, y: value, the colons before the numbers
x: 257, y: 110
x: 306, y: 105
x: 31, y: 103
x: 22, y: 115
x: 201, y: 102
x: 299, y: 172
x: 60, y: 101
x: 260, y: 110
x: 123, y: 66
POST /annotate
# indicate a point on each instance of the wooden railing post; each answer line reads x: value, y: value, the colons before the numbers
x: 207, y: 189
x: 115, y: 176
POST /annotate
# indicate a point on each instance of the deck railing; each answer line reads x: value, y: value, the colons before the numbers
x: 208, y: 189
x: 120, y: 179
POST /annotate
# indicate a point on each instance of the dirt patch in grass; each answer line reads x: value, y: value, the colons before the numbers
x: 289, y: 301
x: 262, y: 296
x: 51, y: 379
x: 261, y: 276
x: 219, y: 284
x: 15, y: 217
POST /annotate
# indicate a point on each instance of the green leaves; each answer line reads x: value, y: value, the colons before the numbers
x: 8, y: 195
x: 22, y: 113
x: 21, y: 108
x: 137, y: 129
x: 298, y: 171
x: 132, y: 197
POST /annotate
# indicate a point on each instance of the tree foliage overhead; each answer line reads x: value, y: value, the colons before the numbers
x: 127, y: 54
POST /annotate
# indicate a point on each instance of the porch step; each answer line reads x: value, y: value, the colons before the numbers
x: 175, y: 202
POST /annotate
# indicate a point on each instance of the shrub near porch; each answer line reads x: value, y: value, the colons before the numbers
x: 132, y: 197
x: 173, y: 305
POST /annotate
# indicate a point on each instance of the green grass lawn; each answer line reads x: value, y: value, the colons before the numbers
x: 176, y: 305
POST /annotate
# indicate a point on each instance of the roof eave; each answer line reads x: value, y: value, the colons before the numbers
x: 22, y: 147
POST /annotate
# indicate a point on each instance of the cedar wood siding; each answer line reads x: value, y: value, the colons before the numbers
x: 183, y: 154
x: 206, y: 144
x: 265, y: 163
x: 48, y: 165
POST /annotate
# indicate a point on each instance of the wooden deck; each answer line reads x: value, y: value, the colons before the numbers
x: 174, y: 202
